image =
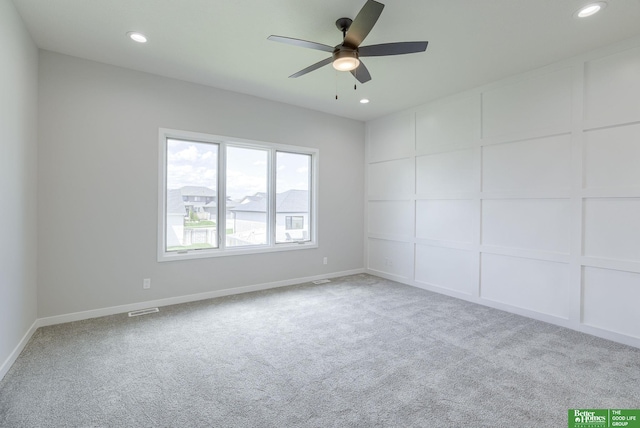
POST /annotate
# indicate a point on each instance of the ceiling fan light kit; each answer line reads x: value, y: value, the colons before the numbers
x: 346, y: 55
x: 345, y: 60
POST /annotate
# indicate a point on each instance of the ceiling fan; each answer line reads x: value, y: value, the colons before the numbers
x: 346, y: 56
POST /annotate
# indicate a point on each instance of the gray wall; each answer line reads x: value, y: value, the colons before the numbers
x: 98, y: 185
x: 18, y: 109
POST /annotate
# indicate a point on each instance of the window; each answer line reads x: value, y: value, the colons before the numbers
x: 294, y: 222
x: 247, y: 180
x: 191, y: 170
x: 221, y: 196
x: 293, y: 194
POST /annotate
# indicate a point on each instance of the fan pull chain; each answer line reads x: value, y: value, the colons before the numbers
x: 355, y: 79
x: 336, y: 80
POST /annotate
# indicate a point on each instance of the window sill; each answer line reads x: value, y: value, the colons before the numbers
x: 214, y: 252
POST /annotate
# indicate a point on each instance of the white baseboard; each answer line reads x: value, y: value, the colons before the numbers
x: 95, y: 313
x: 6, y: 365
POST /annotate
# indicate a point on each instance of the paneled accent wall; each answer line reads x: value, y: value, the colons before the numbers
x: 522, y: 195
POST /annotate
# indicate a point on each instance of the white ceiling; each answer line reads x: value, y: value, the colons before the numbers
x: 224, y: 43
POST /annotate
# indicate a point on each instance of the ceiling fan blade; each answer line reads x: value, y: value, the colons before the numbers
x: 363, y: 23
x: 301, y: 43
x: 361, y: 73
x: 399, y: 48
x: 315, y: 66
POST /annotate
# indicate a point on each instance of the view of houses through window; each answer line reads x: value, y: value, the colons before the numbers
x: 293, y: 202
x: 191, y: 199
x: 247, y: 182
x: 192, y: 196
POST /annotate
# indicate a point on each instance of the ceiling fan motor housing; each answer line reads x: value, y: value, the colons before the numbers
x: 343, y: 25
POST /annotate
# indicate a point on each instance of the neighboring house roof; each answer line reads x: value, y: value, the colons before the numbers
x: 259, y: 205
x: 230, y: 203
x: 291, y: 201
x: 253, y: 198
x: 197, y: 191
x: 175, y: 205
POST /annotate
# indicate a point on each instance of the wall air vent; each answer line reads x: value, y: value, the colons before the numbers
x: 143, y: 312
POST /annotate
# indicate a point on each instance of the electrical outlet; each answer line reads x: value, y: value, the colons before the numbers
x: 325, y: 261
x: 146, y: 283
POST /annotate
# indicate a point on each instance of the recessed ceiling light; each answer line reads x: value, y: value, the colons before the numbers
x: 137, y: 37
x: 590, y: 9
x: 364, y: 101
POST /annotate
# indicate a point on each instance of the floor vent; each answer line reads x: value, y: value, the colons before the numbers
x: 143, y: 312
x: 321, y: 281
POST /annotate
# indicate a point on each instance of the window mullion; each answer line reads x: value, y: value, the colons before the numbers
x: 271, y: 215
x: 222, y: 196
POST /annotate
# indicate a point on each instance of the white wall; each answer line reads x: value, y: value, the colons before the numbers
x: 18, y: 162
x: 98, y: 177
x: 522, y: 195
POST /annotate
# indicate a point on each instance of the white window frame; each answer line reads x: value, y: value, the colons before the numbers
x: 224, y: 142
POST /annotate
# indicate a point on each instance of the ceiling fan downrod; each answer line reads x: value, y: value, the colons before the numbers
x: 343, y: 25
